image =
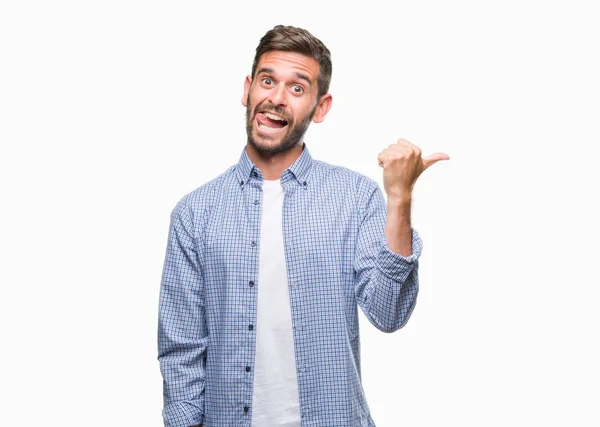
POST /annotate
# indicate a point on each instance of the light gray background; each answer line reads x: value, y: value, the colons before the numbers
x: 111, y: 111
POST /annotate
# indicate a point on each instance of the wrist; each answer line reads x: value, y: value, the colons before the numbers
x: 399, y: 200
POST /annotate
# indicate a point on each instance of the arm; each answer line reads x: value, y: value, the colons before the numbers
x: 386, y: 264
x: 402, y: 164
x: 182, y: 334
x: 398, y: 231
x: 386, y: 282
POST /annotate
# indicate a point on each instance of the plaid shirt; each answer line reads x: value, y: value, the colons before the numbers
x: 337, y: 259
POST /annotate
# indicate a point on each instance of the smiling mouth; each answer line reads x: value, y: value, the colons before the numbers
x: 270, y: 122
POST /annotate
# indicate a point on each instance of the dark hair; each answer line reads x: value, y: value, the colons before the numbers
x: 298, y: 40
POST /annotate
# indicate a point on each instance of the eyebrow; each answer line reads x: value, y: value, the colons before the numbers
x: 268, y: 70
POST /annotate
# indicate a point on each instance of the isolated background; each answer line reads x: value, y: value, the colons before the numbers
x: 111, y: 111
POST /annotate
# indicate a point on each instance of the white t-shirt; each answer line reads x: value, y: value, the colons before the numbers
x: 275, y: 401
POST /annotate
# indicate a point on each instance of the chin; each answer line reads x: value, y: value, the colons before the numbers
x: 266, y: 148
x: 269, y: 147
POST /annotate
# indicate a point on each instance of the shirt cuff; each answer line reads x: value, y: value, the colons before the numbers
x: 395, y: 265
x: 183, y: 414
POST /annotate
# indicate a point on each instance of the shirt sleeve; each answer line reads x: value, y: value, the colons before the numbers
x: 386, y: 283
x: 182, y: 333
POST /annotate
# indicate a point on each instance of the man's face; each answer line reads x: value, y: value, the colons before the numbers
x: 281, y: 100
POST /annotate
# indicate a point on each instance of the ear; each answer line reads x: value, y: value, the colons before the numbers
x: 322, y: 108
x: 247, y: 83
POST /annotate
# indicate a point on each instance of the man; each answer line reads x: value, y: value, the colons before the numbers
x: 267, y: 263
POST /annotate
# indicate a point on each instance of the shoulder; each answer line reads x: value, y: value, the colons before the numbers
x: 359, y: 183
x: 200, y: 200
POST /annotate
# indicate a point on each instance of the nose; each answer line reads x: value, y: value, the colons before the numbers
x: 278, y: 96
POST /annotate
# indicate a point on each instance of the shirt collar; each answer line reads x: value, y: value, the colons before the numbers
x: 299, y: 170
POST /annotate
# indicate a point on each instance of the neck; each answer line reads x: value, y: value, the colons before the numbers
x: 273, y: 165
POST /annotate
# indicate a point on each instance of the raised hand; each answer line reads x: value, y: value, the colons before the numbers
x: 402, y: 164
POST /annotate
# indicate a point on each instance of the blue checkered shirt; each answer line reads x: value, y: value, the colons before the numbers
x: 337, y: 258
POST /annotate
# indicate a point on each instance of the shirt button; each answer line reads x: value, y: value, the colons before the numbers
x: 304, y: 183
x: 256, y: 201
x: 250, y: 327
x: 253, y: 244
x: 255, y: 173
x: 246, y: 409
x: 242, y: 183
x: 251, y: 283
x: 247, y: 368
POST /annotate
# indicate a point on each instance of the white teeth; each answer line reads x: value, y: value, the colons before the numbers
x: 273, y: 117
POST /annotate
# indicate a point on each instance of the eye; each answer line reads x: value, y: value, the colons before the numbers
x: 297, y: 89
x: 267, y: 81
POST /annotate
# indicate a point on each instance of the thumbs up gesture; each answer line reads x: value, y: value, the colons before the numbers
x: 402, y: 164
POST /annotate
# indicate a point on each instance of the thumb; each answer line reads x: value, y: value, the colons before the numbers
x: 433, y: 158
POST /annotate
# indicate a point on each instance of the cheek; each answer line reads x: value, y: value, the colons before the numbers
x: 254, y: 102
x: 257, y: 93
x: 301, y: 113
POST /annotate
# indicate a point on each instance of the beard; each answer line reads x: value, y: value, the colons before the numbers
x: 293, y: 136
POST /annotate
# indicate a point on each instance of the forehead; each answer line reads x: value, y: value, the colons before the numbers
x: 289, y: 62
